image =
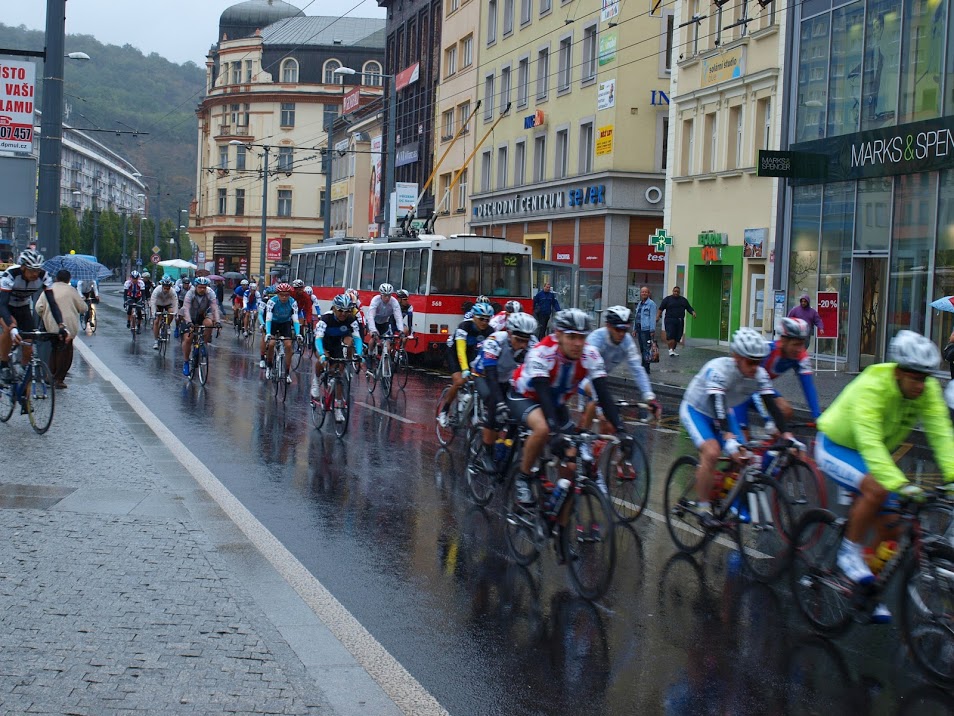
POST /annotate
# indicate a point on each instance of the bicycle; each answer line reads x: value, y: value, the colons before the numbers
x: 830, y: 601
x: 88, y: 319
x: 749, y: 503
x: 32, y: 386
x: 147, y: 313
x: 383, y: 370
x: 626, y: 477
x: 135, y: 324
x: 481, y: 484
x: 402, y: 361
x: 164, y: 323
x: 335, y: 396
x: 278, y: 372
x: 299, y: 350
x: 199, y: 357
x: 582, y: 526
x: 465, y: 414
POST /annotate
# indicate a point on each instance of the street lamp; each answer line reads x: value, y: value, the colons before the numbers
x: 266, y: 148
x: 389, y: 157
x: 142, y: 213
x: 155, y: 229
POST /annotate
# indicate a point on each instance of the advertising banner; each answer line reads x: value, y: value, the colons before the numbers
x: 274, y: 250
x: 351, y: 101
x: 17, y: 86
x: 591, y: 256
x: 606, y: 95
x: 607, y: 50
x: 374, y: 196
x: 827, y: 307
x: 604, y: 140
x: 563, y: 254
x: 724, y: 66
x: 610, y: 10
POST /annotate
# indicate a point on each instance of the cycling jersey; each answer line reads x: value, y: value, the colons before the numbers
x: 147, y: 287
x: 164, y: 299
x: 88, y: 289
x: 196, y: 308
x: 382, y: 313
x: 546, y: 360
x: 330, y: 331
x: 238, y: 292
x: 16, y: 292
x: 497, y: 357
x: 303, y: 300
x: 499, y: 321
x: 250, y: 300
x: 134, y: 290
x: 408, y: 315
x: 467, y: 339
x: 615, y: 353
x: 315, y: 308
x: 776, y: 364
x: 720, y: 383
x: 873, y: 418
x: 278, y: 311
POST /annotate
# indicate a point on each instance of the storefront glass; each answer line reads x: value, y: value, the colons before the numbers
x: 847, y: 49
x: 591, y: 293
x: 912, y: 241
x: 942, y: 322
x: 834, y: 264
x: 879, y: 87
x: 803, y: 264
x: 874, y: 214
x: 812, y: 79
x: 922, y: 59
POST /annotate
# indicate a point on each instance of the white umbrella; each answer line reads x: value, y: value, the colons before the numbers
x: 177, y: 263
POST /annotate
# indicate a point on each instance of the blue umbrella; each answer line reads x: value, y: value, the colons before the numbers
x: 80, y: 269
x: 944, y: 304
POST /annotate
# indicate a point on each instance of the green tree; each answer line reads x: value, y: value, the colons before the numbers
x: 69, y: 231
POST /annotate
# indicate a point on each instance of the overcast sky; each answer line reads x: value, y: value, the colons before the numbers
x: 179, y: 30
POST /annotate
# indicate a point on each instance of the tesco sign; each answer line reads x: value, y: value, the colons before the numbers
x: 644, y: 258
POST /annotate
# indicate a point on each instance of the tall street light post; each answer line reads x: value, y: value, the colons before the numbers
x: 179, y: 227
x: 155, y: 229
x: 389, y: 158
x: 141, y: 216
x: 266, y: 148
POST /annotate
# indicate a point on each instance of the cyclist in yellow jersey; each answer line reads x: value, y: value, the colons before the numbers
x: 870, y: 419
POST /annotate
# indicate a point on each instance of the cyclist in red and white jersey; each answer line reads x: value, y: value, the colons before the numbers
x: 543, y: 385
x: 499, y: 321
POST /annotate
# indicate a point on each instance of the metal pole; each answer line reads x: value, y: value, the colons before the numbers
x: 155, y: 229
x: 328, y: 171
x: 51, y: 129
x: 178, y: 246
x: 391, y: 156
x: 95, y: 230
x: 124, y: 260
x: 261, y: 261
x: 139, y: 249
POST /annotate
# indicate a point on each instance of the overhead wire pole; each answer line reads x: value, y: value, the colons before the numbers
x: 51, y: 129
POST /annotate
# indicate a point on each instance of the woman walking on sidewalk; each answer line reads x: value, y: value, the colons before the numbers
x: 71, y: 304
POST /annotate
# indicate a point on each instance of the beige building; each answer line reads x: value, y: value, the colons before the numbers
x: 576, y: 167
x: 457, y: 96
x: 272, y: 89
x: 356, y: 175
x: 725, y: 100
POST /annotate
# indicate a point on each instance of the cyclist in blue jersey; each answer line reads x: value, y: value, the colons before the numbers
x: 281, y: 320
x: 238, y: 294
x: 269, y: 293
x: 250, y: 302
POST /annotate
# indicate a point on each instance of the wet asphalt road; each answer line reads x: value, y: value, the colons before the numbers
x: 384, y: 521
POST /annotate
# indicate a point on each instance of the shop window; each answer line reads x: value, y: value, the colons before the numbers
x: 873, y: 216
x: 943, y: 321
x: 834, y: 266
x: 844, y: 90
x: 806, y: 223
x: 879, y: 79
x: 921, y: 60
x: 812, y: 78
x: 912, y: 244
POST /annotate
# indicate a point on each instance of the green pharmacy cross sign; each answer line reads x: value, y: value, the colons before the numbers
x: 660, y: 240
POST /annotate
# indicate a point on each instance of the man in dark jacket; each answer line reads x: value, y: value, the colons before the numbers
x: 675, y: 305
x: 545, y: 304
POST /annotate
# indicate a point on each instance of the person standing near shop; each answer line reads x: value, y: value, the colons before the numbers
x: 545, y: 304
x: 808, y: 314
x: 676, y: 306
x: 71, y: 304
x: 645, y: 328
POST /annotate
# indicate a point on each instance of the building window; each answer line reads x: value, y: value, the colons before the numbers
x: 372, y: 74
x: 586, y: 148
x: 670, y: 32
x: 288, y: 114
x: 545, y: 6
x: 462, y: 191
x: 236, y: 73
x: 812, y: 98
x: 688, y: 147
x: 560, y: 167
x: 711, y: 132
x: 590, y: 51
x: 485, y: 160
x: 223, y: 202
x: 284, y: 202
x: 507, y: 17
x: 286, y: 159
x: 488, y: 98
x: 321, y: 203
x: 733, y: 154
x: 240, y: 202
x: 467, y: 51
x: 502, y: 168
x: 519, y: 163
x: 526, y: 9
x: 764, y: 120
x: 452, y: 6
x: 543, y: 73
x: 565, y: 61
x: 664, y: 159
x: 224, y: 156
x: 290, y: 70
x: 450, y: 61
x: 240, y: 157
x: 248, y: 71
x: 523, y: 82
x: 463, y: 114
x: 539, y: 157
x: 329, y: 72
x: 447, y: 124
x: 696, y: 22
x: 491, y: 21
x: 504, y: 89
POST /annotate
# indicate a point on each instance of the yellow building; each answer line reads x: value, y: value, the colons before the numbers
x: 575, y: 167
x: 356, y: 174
x: 724, y: 108
x: 272, y: 88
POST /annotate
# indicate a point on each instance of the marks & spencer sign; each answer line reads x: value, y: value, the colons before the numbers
x: 907, y: 149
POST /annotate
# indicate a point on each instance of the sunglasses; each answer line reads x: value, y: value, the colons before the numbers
x: 914, y: 376
x: 519, y: 339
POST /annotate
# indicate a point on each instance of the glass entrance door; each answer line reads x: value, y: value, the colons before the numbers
x: 873, y: 297
x: 757, y: 301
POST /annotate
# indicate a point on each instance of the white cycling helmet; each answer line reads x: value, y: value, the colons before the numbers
x: 793, y: 328
x: 252, y: 286
x: 748, y: 343
x: 385, y: 289
x: 618, y: 316
x: 298, y: 283
x: 912, y: 351
x: 572, y: 320
x: 521, y: 324
x: 513, y: 307
x: 309, y: 290
x: 243, y: 282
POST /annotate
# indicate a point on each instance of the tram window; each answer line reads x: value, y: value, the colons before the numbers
x: 455, y: 273
x: 425, y: 254
x: 341, y: 262
x: 295, y: 262
x: 396, y: 269
x: 412, y: 280
x: 380, y: 267
x: 367, y: 271
x: 306, y: 269
x: 318, y: 269
x: 504, y: 275
x: 328, y: 279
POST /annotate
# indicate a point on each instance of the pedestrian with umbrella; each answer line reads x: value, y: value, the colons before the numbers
x: 947, y: 304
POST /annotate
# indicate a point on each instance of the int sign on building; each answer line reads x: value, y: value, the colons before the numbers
x: 17, y: 88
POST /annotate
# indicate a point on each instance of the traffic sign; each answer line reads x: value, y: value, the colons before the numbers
x: 138, y: 262
x: 155, y: 258
x: 155, y: 249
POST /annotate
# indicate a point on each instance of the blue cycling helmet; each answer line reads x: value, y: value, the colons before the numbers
x: 203, y: 281
x: 482, y: 310
x: 342, y: 302
x: 271, y: 290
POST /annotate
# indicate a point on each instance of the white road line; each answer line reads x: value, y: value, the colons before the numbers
x: 390, y: 675
x: 385, y: 412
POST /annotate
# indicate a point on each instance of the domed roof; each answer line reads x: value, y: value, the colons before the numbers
x: 243, y: 19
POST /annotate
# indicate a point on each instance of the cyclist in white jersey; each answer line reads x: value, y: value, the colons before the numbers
x: 383, y: 309
x: 163, y: 300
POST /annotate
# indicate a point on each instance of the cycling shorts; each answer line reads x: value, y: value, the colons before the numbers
x: 521, y: 407
x: 743, y: 409
x: 334, y: 349
x: 845, y: 467
x: 251, y: 309
x: 284, y: 330
x: 383, y: 329
x: 699, y: 425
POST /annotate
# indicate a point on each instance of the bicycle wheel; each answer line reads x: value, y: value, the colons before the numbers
x: 371, y: 370
x: 203, y: 364
x: 525, y: 527
x: 589, y: 542
x: 445, y: 436
x: 480, y: 483
x: 278, y: 376
x: 680, y: 506
x: 318, y: 404
x: 296, y: 356
x: 402, y: 369
x: 804, y: 487
x: 341, y: 426
x: 387, y: 375
x: 927, y: 609
x: 40, y: 397
x: 92, y: 320
x: 7, y: 401
x: 764, y: 529
x: 627, y: 481
x: 823, y: 594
